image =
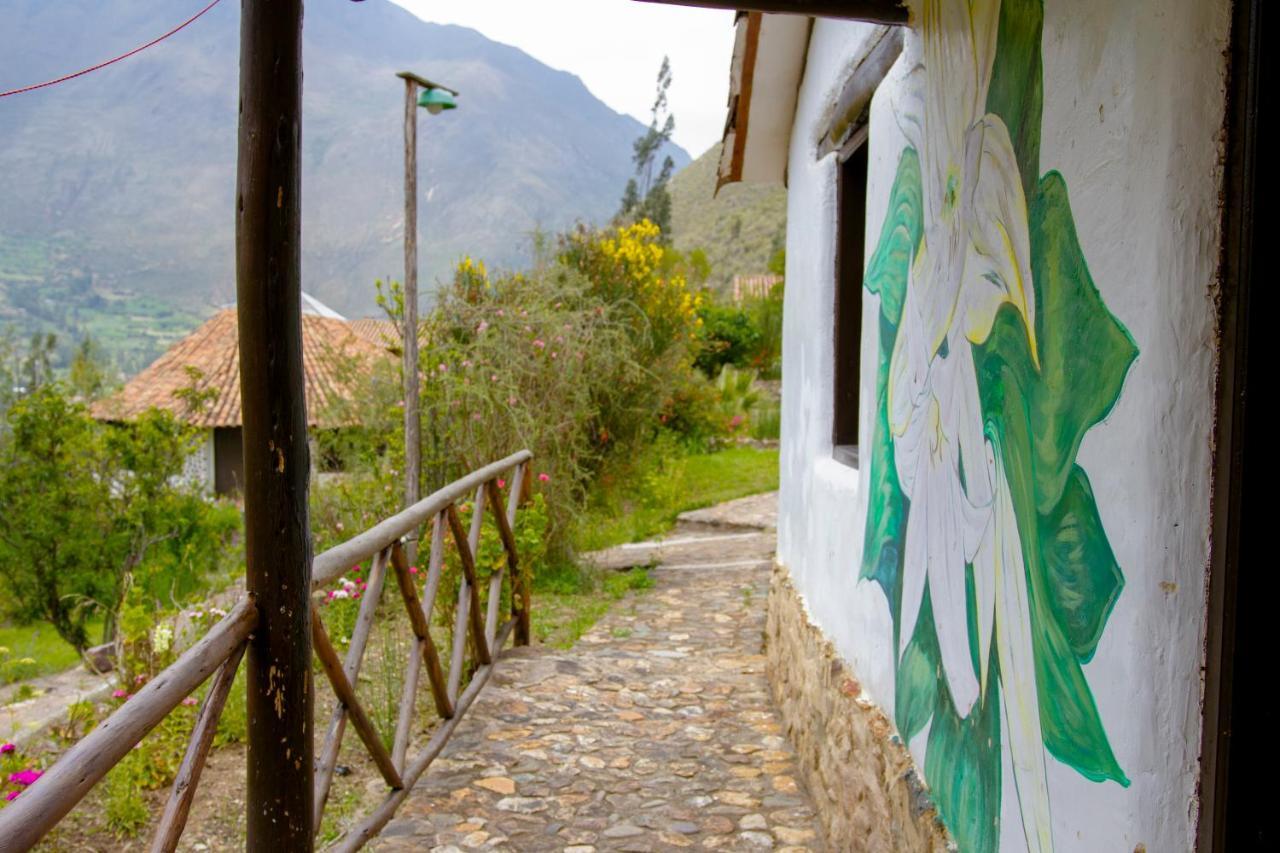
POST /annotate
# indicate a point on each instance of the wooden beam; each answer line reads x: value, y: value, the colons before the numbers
x: 877, y: 11
x: 279, y: 801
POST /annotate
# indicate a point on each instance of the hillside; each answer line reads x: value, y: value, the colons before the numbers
x: 116, y: 188
x: 739, y: 229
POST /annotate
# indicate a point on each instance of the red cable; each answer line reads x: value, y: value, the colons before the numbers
x: 136, y: 50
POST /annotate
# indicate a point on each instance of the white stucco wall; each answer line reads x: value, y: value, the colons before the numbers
x: 1133, y: 101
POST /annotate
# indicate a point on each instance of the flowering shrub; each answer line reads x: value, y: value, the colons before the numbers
x: 628, y: 266
x: 16, y: 773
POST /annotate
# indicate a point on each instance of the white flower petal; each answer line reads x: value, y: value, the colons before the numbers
x: 984, y: 582
x: 1018, y: 673
x: 998, y: 264
x: 947, y: 591
x: 911, y: 356
x: 915, y: 557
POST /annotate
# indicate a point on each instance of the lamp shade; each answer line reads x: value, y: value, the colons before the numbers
x: 437, y: 100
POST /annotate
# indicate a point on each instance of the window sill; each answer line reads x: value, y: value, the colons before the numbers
x: 846, y: 454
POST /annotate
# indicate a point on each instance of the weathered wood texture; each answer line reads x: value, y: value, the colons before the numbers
x: 369, y: 827
x: 328, y: 757
x: 877, y: 11
x: 25, y: 821
x: 276, y: 462
x: 330, y: 565
x: 412, y: 419
x: 466, y: 556
x: 346, y: 694
x: 178, y: 807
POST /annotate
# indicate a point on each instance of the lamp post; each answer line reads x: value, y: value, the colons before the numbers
x: 435, y: 99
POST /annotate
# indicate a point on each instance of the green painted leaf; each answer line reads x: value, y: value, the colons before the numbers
x: 1085, y: 352
x: 919, y: 675
x: 1081, y: 574
x: 889, y: 267
x: 1016, y: 93
x: 1073, y: 731
x: 887, y: 507
x: 887, y: 275
x: 962, y: 767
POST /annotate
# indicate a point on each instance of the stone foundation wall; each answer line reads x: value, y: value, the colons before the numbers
x: 865, y: 786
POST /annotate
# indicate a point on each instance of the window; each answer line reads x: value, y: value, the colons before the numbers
x: 851, y: 206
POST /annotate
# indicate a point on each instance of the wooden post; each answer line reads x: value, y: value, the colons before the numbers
x: 412, y: 418
x: 276, y: 459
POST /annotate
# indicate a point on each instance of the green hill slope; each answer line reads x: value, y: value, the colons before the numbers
x: 739, y: 229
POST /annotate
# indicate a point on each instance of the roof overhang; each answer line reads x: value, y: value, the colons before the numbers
x: 876, y: 11
x: 768, y: 64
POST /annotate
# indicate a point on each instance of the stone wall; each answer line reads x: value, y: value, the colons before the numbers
x: 867, y: 792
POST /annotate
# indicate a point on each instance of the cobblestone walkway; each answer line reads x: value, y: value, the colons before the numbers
x: 655, y: 732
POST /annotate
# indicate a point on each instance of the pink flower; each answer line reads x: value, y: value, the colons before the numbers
x: 544, y: 477
x: 6, y: 748
x: 444, y: 368
x: 119, y: 694
x: 140, y: 679
x: 484, y: 324
x: 493, y: 378
x: 501, y: 313
x: 502, y: 484
x: 12, y: 795
x: 25, y: 777
x: 189, y: 701
x: 413, y: 570
x: 539, y: 343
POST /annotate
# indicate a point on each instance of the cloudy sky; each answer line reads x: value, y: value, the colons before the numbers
x: 616, y: 46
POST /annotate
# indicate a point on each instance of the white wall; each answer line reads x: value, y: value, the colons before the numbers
x: 1133, y: 100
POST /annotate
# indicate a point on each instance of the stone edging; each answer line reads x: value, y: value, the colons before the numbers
x: 865, y: 787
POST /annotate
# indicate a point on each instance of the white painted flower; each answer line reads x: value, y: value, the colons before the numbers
x: 974, y: 257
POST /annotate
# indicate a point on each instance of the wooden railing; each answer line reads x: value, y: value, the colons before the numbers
x: 28, y: 818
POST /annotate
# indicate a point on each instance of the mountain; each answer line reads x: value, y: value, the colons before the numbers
x: 116, y: 188
x: 739, y: 229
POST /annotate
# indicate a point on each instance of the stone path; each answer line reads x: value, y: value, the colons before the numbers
x: 656, y: 732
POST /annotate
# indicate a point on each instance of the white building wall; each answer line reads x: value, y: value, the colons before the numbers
x: 1132, y: 106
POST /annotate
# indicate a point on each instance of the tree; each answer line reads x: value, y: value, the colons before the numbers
x: 93, y: 510
x: 646, y: 195
x: 90, y: 374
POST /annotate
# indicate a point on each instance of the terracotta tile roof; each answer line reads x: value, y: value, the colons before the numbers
x: 212, y: 349
x: 381, y: 333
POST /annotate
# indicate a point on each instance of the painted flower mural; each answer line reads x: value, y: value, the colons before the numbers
x: 997, y: 355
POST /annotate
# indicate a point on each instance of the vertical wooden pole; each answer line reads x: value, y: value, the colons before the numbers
x: 276, y: 459
x: 412, y: 419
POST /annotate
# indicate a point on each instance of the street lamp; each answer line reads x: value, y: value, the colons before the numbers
x: 435, y: 99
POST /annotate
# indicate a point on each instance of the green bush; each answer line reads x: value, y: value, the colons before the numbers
x: 728, y: 337
x: 95, y: 511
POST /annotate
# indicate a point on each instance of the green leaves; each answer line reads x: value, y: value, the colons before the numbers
x: 1081, y: 574
x: 919, y: 675
x: 1041, y: 417
x: 1017, y: 83
x: 1085, y: 352
x: 890, y: 266
x: 887, y: 275
x: 963, y: 768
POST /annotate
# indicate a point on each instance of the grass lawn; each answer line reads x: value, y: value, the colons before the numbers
x: 634, y: 501
x: 642, y: 499
x: 42, y: 644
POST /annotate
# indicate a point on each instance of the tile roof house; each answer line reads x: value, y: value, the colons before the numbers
x: 207, y: 361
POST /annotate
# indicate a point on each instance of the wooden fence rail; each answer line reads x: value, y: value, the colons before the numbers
x: 28, y: 818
